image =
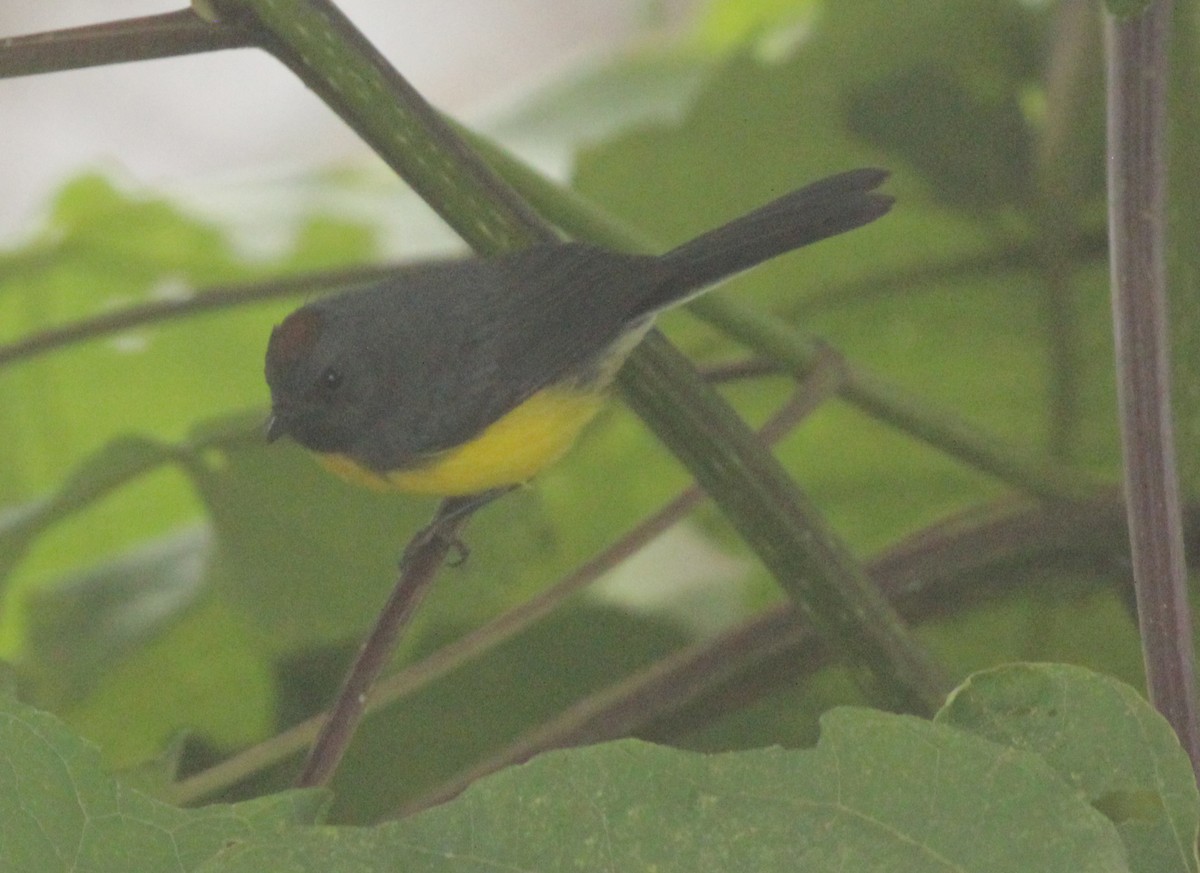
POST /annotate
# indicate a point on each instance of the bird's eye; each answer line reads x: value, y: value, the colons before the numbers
x: 331, y: 379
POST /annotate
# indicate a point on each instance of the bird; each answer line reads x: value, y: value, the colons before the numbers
x: 462, y: 376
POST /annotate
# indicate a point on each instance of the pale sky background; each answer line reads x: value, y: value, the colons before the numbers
x: 212, y: 120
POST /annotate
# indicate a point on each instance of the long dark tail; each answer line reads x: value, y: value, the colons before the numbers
x: 812, y: 213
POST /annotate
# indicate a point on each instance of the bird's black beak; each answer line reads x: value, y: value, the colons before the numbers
x: 275, y: 428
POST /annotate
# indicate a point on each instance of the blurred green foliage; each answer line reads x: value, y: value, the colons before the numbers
x: 163, y: 570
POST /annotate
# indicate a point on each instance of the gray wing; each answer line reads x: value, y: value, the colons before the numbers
x: 464, y: 342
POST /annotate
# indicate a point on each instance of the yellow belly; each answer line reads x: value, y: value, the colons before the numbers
x: 509, y: 451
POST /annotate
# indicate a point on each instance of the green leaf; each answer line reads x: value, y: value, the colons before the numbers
x: 913, y: 114
x: 594, y: 104
x: 306, y: 558
x: 105, y: 249
x: 99, y: 473
x: 203, y: 675
x: 731, y: 24
x: 879, y: 793
x: 1104, y: 740
x: 60, y: 811
x: 77, y: 629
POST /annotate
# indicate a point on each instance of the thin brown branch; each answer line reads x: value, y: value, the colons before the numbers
x: 134, y: 39
x: 426, y: 553
x: 155, y: 312
x: 423, y: 557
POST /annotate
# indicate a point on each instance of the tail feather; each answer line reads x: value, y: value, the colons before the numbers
x: 820, y: 210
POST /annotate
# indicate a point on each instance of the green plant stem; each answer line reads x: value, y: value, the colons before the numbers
x: 784, y: 529
x: 328, y: 53
x: 1137, y: 90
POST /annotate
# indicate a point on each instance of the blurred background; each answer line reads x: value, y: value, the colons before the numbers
x: 210, y: 123
x: 163, y: 570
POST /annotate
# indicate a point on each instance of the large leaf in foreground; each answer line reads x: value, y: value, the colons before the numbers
x: 879, y: 792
